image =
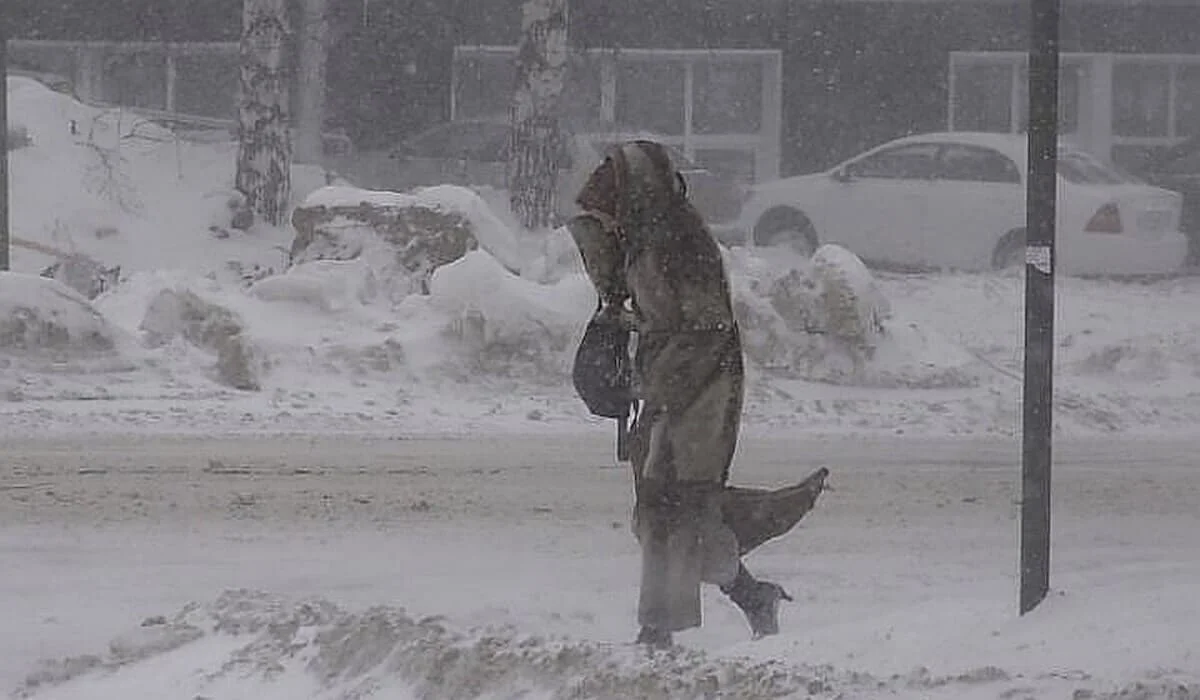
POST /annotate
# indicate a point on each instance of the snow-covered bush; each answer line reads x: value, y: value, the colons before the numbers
x: 807, y: 317
x: 45, y: 320
x: 181, y: 313
x: 852, y: 308
x: 83, y: 274
x: 826, y: 319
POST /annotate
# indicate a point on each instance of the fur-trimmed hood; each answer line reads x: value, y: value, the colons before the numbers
x: 637, y: 185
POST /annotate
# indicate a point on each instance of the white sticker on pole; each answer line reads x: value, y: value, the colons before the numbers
x: 1039, y: 257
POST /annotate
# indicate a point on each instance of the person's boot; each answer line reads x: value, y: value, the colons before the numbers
x: 654, y: 638
x: 759, y: 602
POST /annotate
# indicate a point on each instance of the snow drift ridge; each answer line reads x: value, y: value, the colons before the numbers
x: 254, y: 644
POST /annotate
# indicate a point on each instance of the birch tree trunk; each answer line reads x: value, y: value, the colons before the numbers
x: 264, y: 141
x: 537, y: 143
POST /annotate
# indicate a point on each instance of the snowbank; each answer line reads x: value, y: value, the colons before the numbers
x: 174, y: 314
x: 49, y: 334
x: 123, y: 191
x: 330, y: 286
x: 828, y: 320
x: 312, y: 648
x: 41, y: 316
x: 251, y: 643
x: 507, y: 315
x: 510, y: 325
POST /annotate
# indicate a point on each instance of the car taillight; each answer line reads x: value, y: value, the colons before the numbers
x: 1106, y: 220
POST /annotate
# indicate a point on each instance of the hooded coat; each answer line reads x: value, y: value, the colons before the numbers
x: 659, y: 272
x: 656, y: 265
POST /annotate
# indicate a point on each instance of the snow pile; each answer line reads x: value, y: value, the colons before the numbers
x: 509, y: 325
x: 84, y: 275
x: 284, y: 334
x: 492, y: 234
x: 330, y: 286
x: 550, y: 258
x: 39, y: 315
x: 52, y: 336
x: 47, y: 327
x: 499, y: 315
x: 115, y: 187
x: 312, y: 648
x: 173, y: 314
x: 253, y: 644
x: 827, y: 319
x: 851, y: 303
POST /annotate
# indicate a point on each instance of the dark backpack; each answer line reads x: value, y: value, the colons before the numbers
x: 602, y: 374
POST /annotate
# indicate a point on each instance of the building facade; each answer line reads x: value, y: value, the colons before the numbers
x: 853, y: 72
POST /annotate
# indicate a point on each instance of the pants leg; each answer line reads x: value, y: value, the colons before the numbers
x: 684, y: 543
x: 669, y: 600
x: 680, y: 464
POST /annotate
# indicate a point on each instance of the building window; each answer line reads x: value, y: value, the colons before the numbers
x: 483, y: 89
x: 728, y: 97
x: 581, y: 98
x: 650, y: 96
x: 983, y: 97
x: 207, y: 84
x: 1187, y: 101
x: 1141, y: 95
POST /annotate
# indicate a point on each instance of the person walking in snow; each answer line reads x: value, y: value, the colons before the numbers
x: 659, y: 273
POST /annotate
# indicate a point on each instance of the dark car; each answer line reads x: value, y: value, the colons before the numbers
x: 474, y: 153
x: 1178, y: 168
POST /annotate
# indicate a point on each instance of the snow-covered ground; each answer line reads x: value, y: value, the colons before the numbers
x: 425, y: 453
x: 446, y: 568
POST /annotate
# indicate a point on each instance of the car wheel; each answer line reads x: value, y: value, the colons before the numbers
x: 786, y: 226
x: 1009, y: 253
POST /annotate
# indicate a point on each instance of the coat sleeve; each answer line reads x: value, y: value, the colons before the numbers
x: 603, y: 259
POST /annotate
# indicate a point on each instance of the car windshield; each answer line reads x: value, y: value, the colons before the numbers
x: 1083, y: 169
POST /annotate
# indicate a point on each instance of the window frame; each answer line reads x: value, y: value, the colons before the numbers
x: 1012, y: 168
x: 851, y: 168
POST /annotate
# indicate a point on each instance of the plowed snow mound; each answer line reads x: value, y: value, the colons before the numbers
x: 250, y: 644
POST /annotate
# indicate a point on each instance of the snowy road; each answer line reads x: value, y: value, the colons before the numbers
x: 909, y: 562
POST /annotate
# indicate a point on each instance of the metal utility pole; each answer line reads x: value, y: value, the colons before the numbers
x: 4, y: 218
x: 1041, y: 191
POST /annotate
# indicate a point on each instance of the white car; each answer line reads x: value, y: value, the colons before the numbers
x: 957, y: 200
